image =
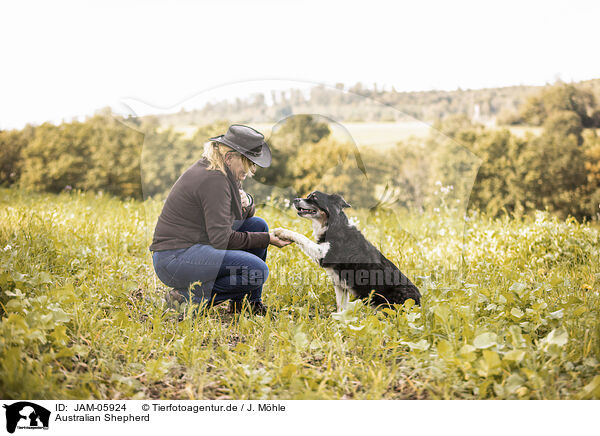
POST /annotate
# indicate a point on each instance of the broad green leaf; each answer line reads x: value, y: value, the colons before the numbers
x: 519, y: 288
x: 514, y: 355
x: 15, y: 305
x: 389, y: 311
x: 345, y: 316
x: 36, y: 335
x: 442, y: 311
x: 489, y: 364
x: 18, y: 277
x: 60, y: 334
x: 60, y: 315
x: 301, y: 340
x: 491, y: 358
x: 316, y: 345
x: 467, y: 353
x: 65, y: 352
x: 558, y: 337
x: 421, y: 345
x: 513, y: 383
x: 517, y: 313
x: 445, y: 349
x: 516, y: 335
x: 558, y: 314
x: 408, y: 304
x: 43, y: 278
x: 485, y: 340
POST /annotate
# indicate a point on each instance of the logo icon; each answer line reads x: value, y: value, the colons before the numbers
x: 26, y: 415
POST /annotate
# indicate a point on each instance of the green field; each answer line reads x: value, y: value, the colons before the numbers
x: 83, y: 315
x: 362, y: 134
x: 375, y: 134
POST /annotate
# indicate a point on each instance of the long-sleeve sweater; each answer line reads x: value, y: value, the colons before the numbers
x: 200, y: 209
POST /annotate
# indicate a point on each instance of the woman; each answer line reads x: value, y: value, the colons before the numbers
x: 207, y: 243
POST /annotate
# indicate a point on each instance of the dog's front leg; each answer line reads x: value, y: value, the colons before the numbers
x: 342, y: 297
x: 313, y: 250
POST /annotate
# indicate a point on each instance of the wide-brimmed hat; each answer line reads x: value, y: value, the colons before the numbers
x: 249, y: 142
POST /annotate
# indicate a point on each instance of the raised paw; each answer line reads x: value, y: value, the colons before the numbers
x: 284, y: 234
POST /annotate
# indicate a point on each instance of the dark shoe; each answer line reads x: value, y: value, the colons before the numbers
x: 235, y: 306
x: 258, y: 308
x: 253, y: 307
x: 175, y: 298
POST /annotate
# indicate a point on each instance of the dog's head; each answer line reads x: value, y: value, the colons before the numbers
x: 320, y: 206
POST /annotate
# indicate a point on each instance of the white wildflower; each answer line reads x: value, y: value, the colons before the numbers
x: 354, y: 221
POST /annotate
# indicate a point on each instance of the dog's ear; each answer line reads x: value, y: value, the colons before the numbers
x: 340, y: 201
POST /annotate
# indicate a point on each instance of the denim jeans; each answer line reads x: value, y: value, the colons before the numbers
x: 223, y: 274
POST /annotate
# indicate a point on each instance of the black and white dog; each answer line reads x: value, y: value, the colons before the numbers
x: 353, y: 263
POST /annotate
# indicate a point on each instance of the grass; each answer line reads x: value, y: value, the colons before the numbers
x: 82, y: 315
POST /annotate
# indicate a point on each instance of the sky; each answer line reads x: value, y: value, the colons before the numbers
x: 65, y: 59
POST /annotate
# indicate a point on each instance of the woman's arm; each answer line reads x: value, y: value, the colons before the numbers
x: 215, y: 196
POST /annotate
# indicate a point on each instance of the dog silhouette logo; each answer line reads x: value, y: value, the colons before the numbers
x: 26, y: 415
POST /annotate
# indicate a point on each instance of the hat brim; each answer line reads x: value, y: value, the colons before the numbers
x: 263, y: 160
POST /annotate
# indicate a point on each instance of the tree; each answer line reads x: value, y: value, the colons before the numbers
x: 287, y: 140
x: 12, y: 143
x: 115, y: 150
x: 591, y: 197
x: 453, y: 162
x: 494, y: 187
x: 56, y: 157
x: 559, y: 98
x: 551, y: 168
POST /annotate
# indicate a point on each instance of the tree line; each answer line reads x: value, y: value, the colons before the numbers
x: 363, y: 103
x: 557, y: 170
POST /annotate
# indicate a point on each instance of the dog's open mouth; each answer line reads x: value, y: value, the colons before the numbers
x: 304, y: 211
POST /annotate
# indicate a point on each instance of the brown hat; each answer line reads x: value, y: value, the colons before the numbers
x: 247, y: 141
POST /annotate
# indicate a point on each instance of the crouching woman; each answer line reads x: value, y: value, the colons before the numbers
x: 208, y: 245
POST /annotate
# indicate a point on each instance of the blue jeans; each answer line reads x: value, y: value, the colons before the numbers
x: 223, y: 274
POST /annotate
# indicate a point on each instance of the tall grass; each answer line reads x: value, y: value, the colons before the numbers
x: 510, y: 310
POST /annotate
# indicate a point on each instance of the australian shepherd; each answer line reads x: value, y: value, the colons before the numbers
x: 353, y: 263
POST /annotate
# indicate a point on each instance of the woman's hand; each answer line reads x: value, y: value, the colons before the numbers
x: 245, y: 198
x: 277, y: 241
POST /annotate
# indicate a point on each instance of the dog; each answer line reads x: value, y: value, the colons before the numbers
x: 351, y: 261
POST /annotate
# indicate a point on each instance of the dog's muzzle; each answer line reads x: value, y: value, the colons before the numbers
x: 303, y: 208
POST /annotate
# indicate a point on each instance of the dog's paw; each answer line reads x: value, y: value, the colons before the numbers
x: 284, y: 234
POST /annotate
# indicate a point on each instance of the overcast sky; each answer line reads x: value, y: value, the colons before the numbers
x: 63, y: 59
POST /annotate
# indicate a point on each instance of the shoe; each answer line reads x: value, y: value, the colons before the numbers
x: 174, y: 298
x: 254, y: 307
x: 258, y: 308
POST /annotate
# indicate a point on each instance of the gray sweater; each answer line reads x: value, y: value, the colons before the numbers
x: 200, y: 209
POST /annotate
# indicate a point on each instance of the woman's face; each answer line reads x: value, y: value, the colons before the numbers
x: 234, y: 161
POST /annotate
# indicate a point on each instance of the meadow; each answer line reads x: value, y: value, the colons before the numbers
x: 83, y: 316
x: 383, y: 135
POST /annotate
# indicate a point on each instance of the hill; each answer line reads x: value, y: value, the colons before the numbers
x: 359, y: 103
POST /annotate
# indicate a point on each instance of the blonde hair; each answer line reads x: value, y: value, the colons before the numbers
x: 215, y: 153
